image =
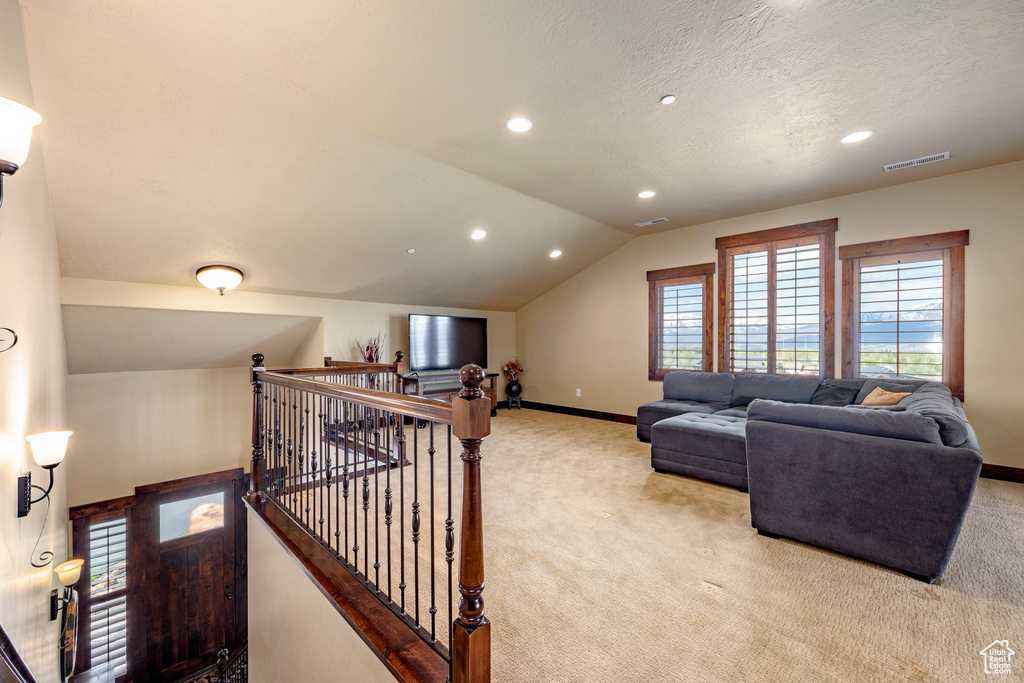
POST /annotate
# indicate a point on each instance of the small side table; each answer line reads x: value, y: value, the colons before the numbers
x: 517, y: 402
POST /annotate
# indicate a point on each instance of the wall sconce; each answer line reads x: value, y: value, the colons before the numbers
x: 48, y: 449
x: 68, y: 572
x: 16, y: 124
x: 219, y: 278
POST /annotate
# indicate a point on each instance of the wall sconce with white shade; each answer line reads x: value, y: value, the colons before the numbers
x: 68, y: 572
x: 67, y: 606
x: 16, y: 124
x: 219, y: 278
x: 48, y: 449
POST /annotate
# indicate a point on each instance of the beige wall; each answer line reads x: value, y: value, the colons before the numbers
x: 294, y: 633
x: 591, y: 332
x: 136, y: 428
x: 32, y: 378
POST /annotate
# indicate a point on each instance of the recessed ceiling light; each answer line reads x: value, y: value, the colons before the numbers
x: 668, y: 99
x: 556, y: 253
x: 519, y: 124
x: 479, y: 234
x: 410, y: 251
x: 856, y: 136
x: 647, y: 194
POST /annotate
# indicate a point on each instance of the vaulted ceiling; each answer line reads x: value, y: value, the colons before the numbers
x: 312, y: 144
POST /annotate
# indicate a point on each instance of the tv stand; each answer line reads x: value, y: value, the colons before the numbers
x: 445, y: 386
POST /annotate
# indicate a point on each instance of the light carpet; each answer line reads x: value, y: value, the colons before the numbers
x: 600, y: 569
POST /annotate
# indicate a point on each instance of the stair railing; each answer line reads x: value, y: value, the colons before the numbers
x: 368, y: 472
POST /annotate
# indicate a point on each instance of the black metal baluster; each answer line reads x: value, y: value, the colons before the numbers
x: 433, y: 577
x: 335, y: 406
x: 401, y: 524
x: 344, y: 472
x: 376, y: 498
x: 416, y: 525
x: 304, y: 453
x: 366, y: 492
x: 294, y: 503
x: 449, y: 539
x: 326, y: 461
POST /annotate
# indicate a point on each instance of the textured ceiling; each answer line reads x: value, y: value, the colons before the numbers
x: 313, y: 144
x: 106, y: 339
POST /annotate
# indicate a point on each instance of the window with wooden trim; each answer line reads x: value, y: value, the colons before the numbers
x: 904, y: 308
x: 679, y: 330
x: 776, y: 300
x: 100, y: 535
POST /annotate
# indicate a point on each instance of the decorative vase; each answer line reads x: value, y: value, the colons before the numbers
x: 513, y: 389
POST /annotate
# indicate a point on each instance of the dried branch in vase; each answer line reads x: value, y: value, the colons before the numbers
x: 511, y: 370
x: 372, y: 351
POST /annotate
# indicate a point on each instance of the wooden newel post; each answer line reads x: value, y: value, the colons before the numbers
x: 400, y: 369
x: 256, y: 464
x: 471, y: 632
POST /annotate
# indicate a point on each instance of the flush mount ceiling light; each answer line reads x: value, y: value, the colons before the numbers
x: 410, y: 251
x: 479, y: 234
x: 856, y: 136
x: 646, y: 194
x: 668, y: 99
x: 519, y: 124
x: 16, y: 124
x: 556, y: 253
x: 219, y: 278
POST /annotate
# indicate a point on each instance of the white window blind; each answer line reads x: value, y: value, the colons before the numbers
x: 798, y: 310
x: 748, y: 320
x: 680, y: 330
x: 901, y: 324
x: 108, y: 594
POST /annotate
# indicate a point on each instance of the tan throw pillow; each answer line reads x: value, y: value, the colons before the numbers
x: 881, y: 397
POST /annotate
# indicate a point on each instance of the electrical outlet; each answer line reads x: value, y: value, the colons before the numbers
x: 577, y: 393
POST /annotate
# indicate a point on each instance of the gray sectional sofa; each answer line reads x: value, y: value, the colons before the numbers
x: 887, y: 484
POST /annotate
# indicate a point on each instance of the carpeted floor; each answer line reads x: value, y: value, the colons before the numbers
x: 599, y: 569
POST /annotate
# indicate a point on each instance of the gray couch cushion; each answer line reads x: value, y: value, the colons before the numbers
x: 889, y: 385
x: 906, y: 425
x: 934, y: 400
x: 710, y: 387
x: 649, y: 413
x: 719, y: 437
x: 788, y: 388
x: 833, y: 395
x: 735, y: 411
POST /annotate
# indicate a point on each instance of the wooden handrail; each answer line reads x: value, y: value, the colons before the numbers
x: 410, y: 406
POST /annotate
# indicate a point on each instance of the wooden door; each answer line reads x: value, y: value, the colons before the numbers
x: 190, y: 590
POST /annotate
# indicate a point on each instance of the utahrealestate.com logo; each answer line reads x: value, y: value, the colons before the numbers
x: 997, y: 657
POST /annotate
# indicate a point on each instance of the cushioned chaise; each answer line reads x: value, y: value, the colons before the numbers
x: 710, y: 447
x: 686, y: 392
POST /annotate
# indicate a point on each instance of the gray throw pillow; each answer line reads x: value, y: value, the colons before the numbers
x: 832, y: 395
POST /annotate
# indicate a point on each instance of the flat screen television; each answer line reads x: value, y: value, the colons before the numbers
x: 446, y: 342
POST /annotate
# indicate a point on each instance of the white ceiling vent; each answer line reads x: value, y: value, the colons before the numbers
x: 916, y: 162
x: 651, y: 222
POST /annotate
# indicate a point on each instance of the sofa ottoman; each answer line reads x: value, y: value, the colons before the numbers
x: 710, y: 447
x: 686, y: 392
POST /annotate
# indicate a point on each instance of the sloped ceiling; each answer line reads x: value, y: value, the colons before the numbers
x: 108, y: 339
x: 312, y: 144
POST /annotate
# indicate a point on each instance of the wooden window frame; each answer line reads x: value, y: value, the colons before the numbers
x: 81, y: 518
x: 822, y: 233
x: 952, y: 247
x: 658, y: 279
